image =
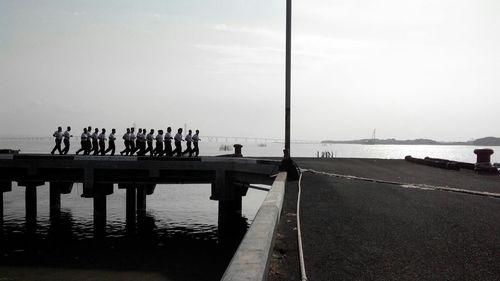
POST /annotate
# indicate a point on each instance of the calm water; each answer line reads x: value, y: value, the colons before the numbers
x: 179, y: 239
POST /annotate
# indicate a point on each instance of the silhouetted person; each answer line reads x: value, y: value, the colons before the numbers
x: 88, y: 147
x: 189, y: 140
x: 138, y: 142
x: 58, y: 135
x: 143, y: 142
x: 102, y: 141
x: 83, y: 142
x: 66, y: 136
x: 196, y: 139
x: 132, y: 141
x: 95, y: 143
x: 126, y: 142
x: 111, y: 143
x: 149, y: 139
x: 168, y: 142
x: 177, y: 142
x: 159, y: 143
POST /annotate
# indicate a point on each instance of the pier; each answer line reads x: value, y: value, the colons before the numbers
x: 230, y: 178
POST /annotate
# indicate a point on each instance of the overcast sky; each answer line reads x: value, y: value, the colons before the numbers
x: 409, y: 68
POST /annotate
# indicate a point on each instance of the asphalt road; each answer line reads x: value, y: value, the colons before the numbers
x: 358, y: 230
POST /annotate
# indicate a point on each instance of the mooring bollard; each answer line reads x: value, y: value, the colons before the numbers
x: 237, y: 150
x: 483, y: 161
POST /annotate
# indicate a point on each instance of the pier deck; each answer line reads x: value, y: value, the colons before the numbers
x: 355, y: 229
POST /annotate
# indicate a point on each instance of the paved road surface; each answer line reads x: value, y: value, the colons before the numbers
x: 358, y: 230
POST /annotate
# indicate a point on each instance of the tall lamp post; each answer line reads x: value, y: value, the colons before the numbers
x: 288, y: 56
x: 287, y: 163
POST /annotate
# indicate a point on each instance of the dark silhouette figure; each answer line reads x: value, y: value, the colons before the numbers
x: 189, y: 140
x: 196, y: 139
x: 149, y: 140
x: 58, y: 135
x: 66, y: 136
x: 143, y: 142
x: 159, y: 143
x: 102, y: 141
x: 168, y: 142
x: 138, y: 142
x: 88, y: 147
x: 177, y: 142
x: 126, y: 141
x: 132, y: 141
x: 111, y: 143
x: 95, y: 144
x: 83, y: 142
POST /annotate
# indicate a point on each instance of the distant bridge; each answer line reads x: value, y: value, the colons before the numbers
x: 226, y: 139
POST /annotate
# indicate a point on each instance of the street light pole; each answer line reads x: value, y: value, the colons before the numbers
x: 288, y: 76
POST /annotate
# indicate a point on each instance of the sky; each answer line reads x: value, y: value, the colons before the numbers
x: 407, y: 68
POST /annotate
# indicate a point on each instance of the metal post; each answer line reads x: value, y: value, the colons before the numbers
x: 288, y: 76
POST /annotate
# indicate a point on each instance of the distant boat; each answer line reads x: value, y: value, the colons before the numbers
x: 262, y: 145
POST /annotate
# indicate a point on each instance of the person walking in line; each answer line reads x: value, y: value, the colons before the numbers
x: 83, y: 142
x: 95, y: 143
x: 102, y: 141
x: 168, y: 142
x: 126, y: 142
x: 196, y: 139
x: 159, y: 143
x: 111, y: 143
x: 138, y: 142
x: 58, y: 135
x: 177, y: 142
x: 66, y: 136
x: 132, y: 141
x: 143, y: 142
x: 149, y: 139
x: 188, y: 139
x: 88, y: 147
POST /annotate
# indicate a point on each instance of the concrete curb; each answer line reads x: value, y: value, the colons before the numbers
x: 251, y: 260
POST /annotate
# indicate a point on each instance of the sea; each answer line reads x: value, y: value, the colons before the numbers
x: 178, y: 240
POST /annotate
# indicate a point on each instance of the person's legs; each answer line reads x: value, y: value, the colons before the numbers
x: 66, y: 147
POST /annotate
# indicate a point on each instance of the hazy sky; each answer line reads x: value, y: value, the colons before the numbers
x: 409, y: 68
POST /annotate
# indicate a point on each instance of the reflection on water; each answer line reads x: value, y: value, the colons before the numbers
x: 177, y: 238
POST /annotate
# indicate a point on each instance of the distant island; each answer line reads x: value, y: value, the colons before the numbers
x: 488, y: 141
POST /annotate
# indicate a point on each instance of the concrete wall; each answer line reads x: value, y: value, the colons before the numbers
x: 251, y: 260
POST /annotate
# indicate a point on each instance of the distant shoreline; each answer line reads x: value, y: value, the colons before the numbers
x: 487, y: 141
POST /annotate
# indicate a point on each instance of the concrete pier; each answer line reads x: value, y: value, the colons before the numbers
x: 229, y: 177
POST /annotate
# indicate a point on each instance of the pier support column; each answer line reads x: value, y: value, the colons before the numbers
x: 30, y: 203
x: 141, y: 202
x: 55, y: 201
x: 131, y: 209
x: 230, y: 222
x: 99, y: 196
x: 4, y: 187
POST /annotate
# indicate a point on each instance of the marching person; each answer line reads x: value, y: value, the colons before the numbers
x: 102, y: 141
x: 168, y: 142
x: 188, y: 139
x: 138, y: 142
x: 142, y: 143
x: 159, y: 143
x: 196, y: 139
x: 88, y: 147
x: 66, y: 136
x: 132, y: 141
x: 83, y: 142
x: 95, y: 143
x: 58, y: 135
x: 149, y: 140
x: 177, y: 142
x: 126, y: 141
x: 111, y: 143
